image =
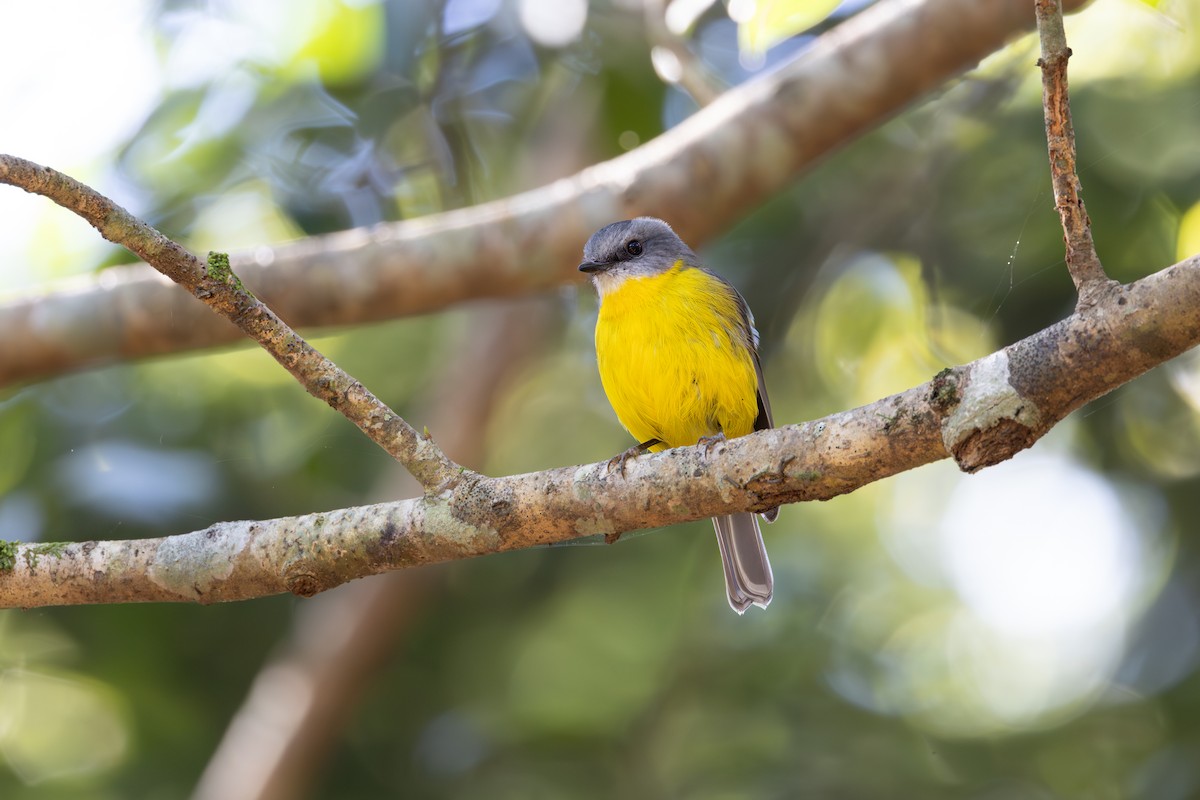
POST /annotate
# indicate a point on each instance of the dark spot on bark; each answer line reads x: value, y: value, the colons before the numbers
x: 303, y: 584
x: 1154, y: 345
x: 1034, y: 364
x: 390, y: 532
x: 478, y: 501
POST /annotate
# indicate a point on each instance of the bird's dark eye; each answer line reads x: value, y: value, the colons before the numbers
x: 633, y: 247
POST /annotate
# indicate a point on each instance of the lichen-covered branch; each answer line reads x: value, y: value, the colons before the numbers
x: 980, y: 413
x: 1082, y: 261
x: 749, y: 144
x: 215, y: 284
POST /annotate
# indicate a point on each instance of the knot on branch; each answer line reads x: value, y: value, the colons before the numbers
x: 1055, y: 60
x: 303, y: 584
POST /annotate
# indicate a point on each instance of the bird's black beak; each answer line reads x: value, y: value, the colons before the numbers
x: 592, y: 266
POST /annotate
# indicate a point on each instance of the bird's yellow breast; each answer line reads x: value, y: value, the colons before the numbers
x: 674, y: 358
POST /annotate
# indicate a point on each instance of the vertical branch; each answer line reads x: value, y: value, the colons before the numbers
x: 1082, y: 261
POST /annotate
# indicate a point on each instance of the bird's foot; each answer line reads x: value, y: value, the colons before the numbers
x: 617, y: 463
x: 709, y: 442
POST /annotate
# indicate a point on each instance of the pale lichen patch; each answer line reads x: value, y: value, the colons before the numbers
x: 581, y: 482
x: 987, y: 399
x: 191, y: 564
x: 441, y: 521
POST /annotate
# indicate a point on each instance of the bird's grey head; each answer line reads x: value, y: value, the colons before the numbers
x: 634, y: 248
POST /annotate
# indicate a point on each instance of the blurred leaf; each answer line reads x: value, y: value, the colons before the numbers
x: 877, y: 333
x: 1159, y: 426
x: 590, y: 662
x: 1188, y: 243
x: 242, y: 218
x: 18, y: 441
x: 763, y: 24
x: 57, y: 726
x: 347, y: 42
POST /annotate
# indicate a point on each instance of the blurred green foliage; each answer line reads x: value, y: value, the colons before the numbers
x: 1030, y: 632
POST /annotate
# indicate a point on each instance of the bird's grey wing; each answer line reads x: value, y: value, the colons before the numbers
x: 763, y: 420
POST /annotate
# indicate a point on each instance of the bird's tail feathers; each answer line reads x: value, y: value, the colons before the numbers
x: 748, y: 579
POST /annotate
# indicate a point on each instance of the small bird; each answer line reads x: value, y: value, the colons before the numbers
x: 678, y: 358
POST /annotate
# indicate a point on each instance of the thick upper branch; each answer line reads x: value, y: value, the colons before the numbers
x: 980, y: 413
x: 749, y: 144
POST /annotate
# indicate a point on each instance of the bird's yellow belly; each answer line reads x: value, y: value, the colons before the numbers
x: 673, y: 360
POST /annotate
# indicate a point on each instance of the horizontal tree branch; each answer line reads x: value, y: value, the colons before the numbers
x: 746, y: 146
x: 980, y: 413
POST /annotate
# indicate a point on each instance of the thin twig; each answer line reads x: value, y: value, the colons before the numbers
x: 215, y: 284
x: 1082, y: 261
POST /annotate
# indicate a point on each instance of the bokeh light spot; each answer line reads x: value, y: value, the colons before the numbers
x: 553, y: 24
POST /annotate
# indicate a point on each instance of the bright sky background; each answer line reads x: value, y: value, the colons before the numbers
x: 69, y: 107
